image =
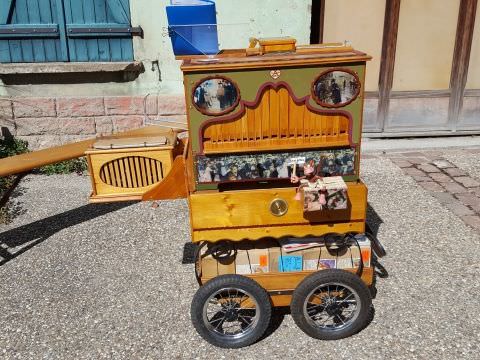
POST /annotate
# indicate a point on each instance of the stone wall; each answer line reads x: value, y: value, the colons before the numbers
x: 46, y: 121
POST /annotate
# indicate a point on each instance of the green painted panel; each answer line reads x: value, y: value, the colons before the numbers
x: 299, y: 79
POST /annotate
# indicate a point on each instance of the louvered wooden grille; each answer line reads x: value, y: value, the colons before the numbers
x: 277, y: 122
x: 131, y: 172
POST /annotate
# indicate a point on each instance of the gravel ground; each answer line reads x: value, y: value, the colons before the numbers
x: 107, y: 281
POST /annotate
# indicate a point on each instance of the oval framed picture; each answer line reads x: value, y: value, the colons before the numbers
x: 215, y: 95
x: 336, y: 88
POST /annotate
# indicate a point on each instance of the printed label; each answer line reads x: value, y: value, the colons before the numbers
x: 242, y: 269
x: 290, y: 263
x: 257, y: 268
x: 366, y: 257
x: 263, y: 260
x: 310, y: 264
x: 328, y: 263
x: 344, y: 263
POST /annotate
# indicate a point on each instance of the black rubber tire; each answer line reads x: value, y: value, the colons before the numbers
x: 204, y: 293
x: 313, y: 281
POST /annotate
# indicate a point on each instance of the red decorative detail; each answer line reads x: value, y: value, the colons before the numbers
x: 251, y: 104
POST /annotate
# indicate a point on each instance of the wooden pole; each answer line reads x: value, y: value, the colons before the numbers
x: 461, y: 59
x: 387, y: 61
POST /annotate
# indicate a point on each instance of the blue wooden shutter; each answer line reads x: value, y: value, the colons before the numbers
x: 99, y: 30
x: 32, y: 31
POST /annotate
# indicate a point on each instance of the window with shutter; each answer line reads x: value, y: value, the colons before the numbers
x: 31, y: 31
x: 98, y: 30
x: 65, y: 30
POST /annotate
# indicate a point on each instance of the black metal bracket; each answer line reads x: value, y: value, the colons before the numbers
x: 28, y: 30
x: 93, y: 31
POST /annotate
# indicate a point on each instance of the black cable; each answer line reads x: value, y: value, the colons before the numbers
x: 361, y: 265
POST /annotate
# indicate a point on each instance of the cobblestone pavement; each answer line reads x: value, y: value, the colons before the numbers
x: 453, y: 187
x: 104, y: 281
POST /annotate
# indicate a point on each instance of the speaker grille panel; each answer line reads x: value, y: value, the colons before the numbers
x: 131, y: 172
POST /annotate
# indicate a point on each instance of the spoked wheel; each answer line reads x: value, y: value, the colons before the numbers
x: 331, y: 304
x: 231, y: 311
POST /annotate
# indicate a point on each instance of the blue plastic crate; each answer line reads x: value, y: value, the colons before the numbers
x: 192, y: 27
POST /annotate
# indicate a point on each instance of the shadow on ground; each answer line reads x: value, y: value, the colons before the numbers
x: 27, y: 236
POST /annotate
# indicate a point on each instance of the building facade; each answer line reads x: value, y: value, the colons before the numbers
x: 70, y: 69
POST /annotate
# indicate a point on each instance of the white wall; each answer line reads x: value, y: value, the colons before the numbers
x: 239, y: 20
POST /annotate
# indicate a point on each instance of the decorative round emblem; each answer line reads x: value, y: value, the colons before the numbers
x: 278, y: 207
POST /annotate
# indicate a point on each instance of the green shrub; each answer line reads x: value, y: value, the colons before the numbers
x: 9, y: 146
x: 65, y: 167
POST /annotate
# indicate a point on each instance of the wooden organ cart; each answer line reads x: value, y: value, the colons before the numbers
x: 255, y: 118
x: 271, y: 171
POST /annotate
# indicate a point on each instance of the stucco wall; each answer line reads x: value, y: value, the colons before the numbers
x: 249, y: 17
x: 425, y: 43
x: 348, y: 20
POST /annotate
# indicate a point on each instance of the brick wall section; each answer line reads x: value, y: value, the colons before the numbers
x: 45, y: 122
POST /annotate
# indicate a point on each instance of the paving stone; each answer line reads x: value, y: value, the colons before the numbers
x: 469, y: 199
x: 472, y: 220
x: 429, y: 168
x: 454, y: 188
x: 467, y: 181
x: 442, y: 164
x: 453, y: 204
x: 413, y: 154
x: 439, y: 177
x: 458, y: 208
x: 401, y: 163
x: 418, y: 160
x: 421, y: 178
x: 413, y: 172
x: 431, y: 186
x: 444, y: 197
x: 475, y: 190
x: 455, y: 172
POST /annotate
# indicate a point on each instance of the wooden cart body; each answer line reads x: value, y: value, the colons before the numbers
x: 277, y: 110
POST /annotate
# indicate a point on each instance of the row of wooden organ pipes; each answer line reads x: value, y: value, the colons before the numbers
x: 277, y: 121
